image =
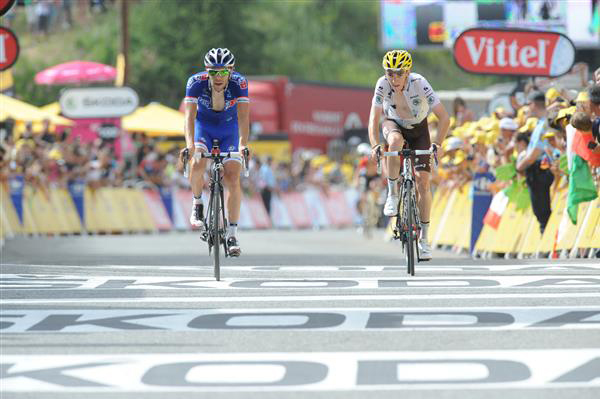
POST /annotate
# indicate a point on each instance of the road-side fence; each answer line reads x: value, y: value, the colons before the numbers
x: 111, y: 210
x: 517, y: 233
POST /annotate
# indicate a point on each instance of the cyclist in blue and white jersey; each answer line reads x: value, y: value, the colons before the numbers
x: 217, y: 107
x: 405, y: 99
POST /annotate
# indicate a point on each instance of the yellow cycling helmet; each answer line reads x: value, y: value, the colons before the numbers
x: 397, y: 59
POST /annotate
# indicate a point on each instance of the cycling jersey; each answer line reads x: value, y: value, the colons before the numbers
x: 210, y: 124
x: 418, y: 95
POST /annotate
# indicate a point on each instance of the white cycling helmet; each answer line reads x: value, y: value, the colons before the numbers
x: 363, y: 149
x: 219, y: 57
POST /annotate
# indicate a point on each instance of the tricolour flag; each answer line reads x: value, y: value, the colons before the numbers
x: 581, y: 182
x: 497, y: 208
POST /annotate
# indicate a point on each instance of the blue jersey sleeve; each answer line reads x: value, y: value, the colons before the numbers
x: 241, y: 89
x: 193, y: 90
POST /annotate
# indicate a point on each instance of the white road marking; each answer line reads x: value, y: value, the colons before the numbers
x: 291, y: 298
x: 321, y: 319
x: 303, y: 371
x: 80, y: 282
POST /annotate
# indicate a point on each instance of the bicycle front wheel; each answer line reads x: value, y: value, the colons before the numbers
x: 409, y: 241
x: 215, y: 232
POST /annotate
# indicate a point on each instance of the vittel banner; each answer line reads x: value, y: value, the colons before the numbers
x: 514, y: 52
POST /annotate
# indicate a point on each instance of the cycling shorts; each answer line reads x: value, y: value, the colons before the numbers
x: 227, y: 134
x: 416, y: 138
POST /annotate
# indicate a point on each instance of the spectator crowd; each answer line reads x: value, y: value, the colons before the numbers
x: 529, y: 147
x: 46, y: 16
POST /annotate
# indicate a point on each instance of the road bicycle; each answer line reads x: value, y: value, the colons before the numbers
x: 408, y: 221
x: 215, y: 220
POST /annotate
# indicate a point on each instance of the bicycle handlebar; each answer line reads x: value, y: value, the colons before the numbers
x: 407, y: 152
x: 222, y: 155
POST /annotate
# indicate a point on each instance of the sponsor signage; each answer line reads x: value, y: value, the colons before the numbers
x: 98, y: 102
x: 27, y: 282
x: 9, y: 48
x: 514, y: 52
x: 319, y: 113
x: 361, y: 319
x: 6, y: 5
x: 303, y: 371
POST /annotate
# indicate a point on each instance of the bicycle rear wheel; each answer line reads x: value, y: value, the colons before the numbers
x: 409, y: 240
x: 215, y: 232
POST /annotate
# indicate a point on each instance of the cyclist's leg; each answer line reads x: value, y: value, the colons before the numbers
x: 198, y: 167
x: 422, y: 141
x: 231, y: 179
x: 393, y: 136
x: 233, y: 169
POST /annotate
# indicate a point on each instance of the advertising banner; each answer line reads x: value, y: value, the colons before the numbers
x: 514, y: 52
x: 98, y: 102
x: 77, y: 190
x: 9, y: 48
x: 320, y: 113
x: 166, y: 195
x: 17, y: 184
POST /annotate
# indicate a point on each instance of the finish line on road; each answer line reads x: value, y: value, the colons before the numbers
x: 324, y: 371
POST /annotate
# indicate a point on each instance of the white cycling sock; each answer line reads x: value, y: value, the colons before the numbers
x: 197, y: 200
x: 232, y: 230
x: 424, y: 230
x: 392, y: 186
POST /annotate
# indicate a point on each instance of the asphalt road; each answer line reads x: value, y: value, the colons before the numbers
x: 309, y: 314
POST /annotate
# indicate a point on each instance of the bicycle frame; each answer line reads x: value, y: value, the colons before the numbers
x: 408, y: 221
x: 217, y: 223
x: 215, y: 217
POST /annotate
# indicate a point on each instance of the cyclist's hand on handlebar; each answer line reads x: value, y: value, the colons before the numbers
x: 437, y: 149
x: 245, y: 151
x: 376, y: 152
x: 191, y: 150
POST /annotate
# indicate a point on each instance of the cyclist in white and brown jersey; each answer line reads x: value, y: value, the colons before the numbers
x: 404, y: 99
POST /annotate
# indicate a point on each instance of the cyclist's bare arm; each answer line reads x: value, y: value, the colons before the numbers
x: 243, y: 111
x: 374, y: 118
x: 190, y: 119
x: 444, y: 122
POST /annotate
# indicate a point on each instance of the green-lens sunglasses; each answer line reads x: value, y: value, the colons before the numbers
x: 218, y: 72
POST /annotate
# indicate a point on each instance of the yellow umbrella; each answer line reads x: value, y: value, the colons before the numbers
x: 52, y: 108
x: 155, y: 120
x: 23, y: 112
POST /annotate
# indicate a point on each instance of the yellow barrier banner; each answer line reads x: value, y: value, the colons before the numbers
x: 559, y: 203
x: 125, y: 210
x: 64, y: 205
x: 438, y: 205
x: 39, y: 215
x: 457, y: 219
x: 590, y: 235
x: 141, y: 210
x: 509, y: 231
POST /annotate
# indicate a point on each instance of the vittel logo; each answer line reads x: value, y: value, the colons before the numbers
x: 514, y: 52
